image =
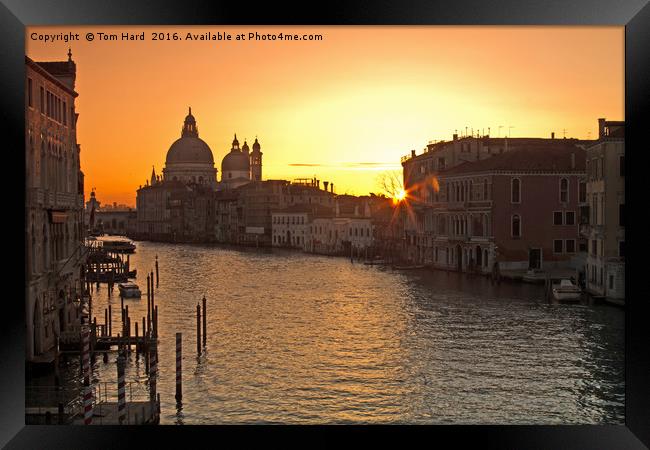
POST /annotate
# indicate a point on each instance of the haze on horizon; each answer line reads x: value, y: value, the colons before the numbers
x: 343, y: 109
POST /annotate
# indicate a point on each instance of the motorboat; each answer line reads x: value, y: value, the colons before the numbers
x: 118, y: 246
x: 410, y: 267
x: 129, y: 290
x: 566, y: 291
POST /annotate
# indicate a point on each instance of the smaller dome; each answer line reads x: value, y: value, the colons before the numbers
x: 235, y: 142
x: 235, y: 161
x: 256, y: 145
x: 245, y: 147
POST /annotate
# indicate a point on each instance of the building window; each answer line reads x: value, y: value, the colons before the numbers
x: 485, y: 189
x: 515, y: 188
x: 557, y: 217
x: 582, y: 192
x: 557, y: 245
x: 569, y: 218
x: 611, y: 282
x: 570, y: 245
x: 30, y: 100
x: 516, y: 226
x: 594, y: 247
x: 582, y: 245
x: 621, y: 164
x: 621, y: 214
x: 621, y: 249
x: 564, y: 190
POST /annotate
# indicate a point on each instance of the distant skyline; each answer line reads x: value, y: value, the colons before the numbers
x: 343, y: 109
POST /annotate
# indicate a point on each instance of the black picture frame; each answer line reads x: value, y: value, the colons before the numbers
x: 15, y: 14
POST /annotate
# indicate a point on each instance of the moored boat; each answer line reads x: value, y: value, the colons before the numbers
x: 411, y: 267
x: 118, y: 246
x: 566, y: 291
x: 129, y: 290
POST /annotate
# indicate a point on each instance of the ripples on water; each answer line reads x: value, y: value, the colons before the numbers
x: 296, y: 338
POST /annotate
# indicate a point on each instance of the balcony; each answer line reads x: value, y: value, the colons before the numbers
x: 43, y: 198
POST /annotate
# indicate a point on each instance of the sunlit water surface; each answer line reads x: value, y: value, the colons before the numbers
x: 296, y: 338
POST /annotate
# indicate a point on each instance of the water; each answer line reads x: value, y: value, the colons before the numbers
x: 296, y: 338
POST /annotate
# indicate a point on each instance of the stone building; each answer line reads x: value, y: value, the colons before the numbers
x: 54, y: 208
x: 422, y: 182
x: 605, y: 231
x: 520, y: 209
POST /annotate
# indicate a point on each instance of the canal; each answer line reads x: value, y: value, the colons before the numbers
x: 297, y: 338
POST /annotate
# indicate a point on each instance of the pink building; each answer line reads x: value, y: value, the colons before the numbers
x: 520, y: 208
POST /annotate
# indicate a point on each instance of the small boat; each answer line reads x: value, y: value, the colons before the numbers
x: 412, y: 267
x: 129, y: 290
x: 566, y: 291
x: 376, y: 262
x: 118, y: 246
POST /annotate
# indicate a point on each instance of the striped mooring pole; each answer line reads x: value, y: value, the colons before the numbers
x: 121, y: 387
x: 179, y: 367
x: 87, y: 391
x: 153, y: 371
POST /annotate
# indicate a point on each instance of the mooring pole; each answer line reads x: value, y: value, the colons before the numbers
x: 121, y: 387
x: 148, y: 298
x: 110, y: 321
x: 156, y: 270
x: 155, y: 322
x: 179, y: 371
x: 205, y: 327
x: 105, y: 330
x: 87, y: 392
x: 153, y: 303
x: 198, y: 329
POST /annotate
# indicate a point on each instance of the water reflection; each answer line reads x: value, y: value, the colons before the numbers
x: 296, y: 338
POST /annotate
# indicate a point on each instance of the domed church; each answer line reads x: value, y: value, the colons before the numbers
x: 189, y: 159
x: 240, y: 166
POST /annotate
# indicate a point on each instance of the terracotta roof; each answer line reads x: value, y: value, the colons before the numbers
x: 533, y: 158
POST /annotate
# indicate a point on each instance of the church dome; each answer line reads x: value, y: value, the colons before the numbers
x: 235, y: 161
x: 189, y: 148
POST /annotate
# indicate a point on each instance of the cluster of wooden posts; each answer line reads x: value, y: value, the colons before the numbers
x: 144, y: 340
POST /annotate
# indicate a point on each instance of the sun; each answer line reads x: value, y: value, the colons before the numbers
x: 399, y: 196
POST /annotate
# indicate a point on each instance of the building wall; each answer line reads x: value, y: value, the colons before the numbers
x: 540, y: 198
x: 54, y: 213
x: 605, y: 271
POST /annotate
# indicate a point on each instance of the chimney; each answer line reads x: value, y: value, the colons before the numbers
x: 573, y: 160
x: 325, y: 183
x: 553, y: 135
x: 318, y: 184
x: 412, y: 153
x: 601, y: 128
x: 332, y: 187
x: 455, y: 137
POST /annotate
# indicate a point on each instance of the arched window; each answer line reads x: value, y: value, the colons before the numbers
x: 515, y: 189
x: 516, y: 226
x: 564, y: 190
x: 485, y: 189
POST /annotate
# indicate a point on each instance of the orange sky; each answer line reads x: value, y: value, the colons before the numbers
x: 324, y: 108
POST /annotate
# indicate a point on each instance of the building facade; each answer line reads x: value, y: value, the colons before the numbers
x: 520, y: 208
x: 605, y: 231
x: 54, y: 208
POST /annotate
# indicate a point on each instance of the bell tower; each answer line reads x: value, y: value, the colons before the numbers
x: 256, y: 162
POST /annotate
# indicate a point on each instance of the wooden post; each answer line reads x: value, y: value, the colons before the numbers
x: 198, y: 329
x: 155, y: 322
x: 110, y: 321
x: 179, y: 372
x: 87, y: 391
x: 105, y: 330
x: 156, y: 270
x: 205, y: 328
x: 121, y: 391
x: 153, y: 303
x: 148, y: 300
